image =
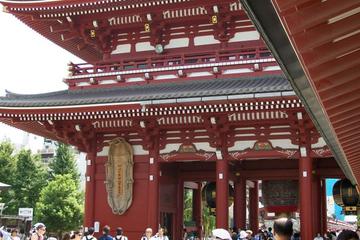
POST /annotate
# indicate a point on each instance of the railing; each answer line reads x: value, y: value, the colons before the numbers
x: 167, y: 61
x: 145, y: 69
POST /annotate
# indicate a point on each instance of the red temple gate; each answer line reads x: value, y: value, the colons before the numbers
x: 195, y: 92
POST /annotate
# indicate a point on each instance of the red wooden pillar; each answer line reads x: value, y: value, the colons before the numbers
x: 180, y: 208
x: 222, y: 192
x: 254, y: 207
x: 316, y: 198
x: 153, y: 189
x: 323, y: 207
x: 305, y: 182
x: 90, y: 188
x: 240, y: 203
x: 198, y: 209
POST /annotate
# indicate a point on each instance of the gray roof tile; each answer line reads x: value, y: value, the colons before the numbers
x: 184, y: 89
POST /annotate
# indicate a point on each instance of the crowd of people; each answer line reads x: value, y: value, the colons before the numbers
x: 282, y: 230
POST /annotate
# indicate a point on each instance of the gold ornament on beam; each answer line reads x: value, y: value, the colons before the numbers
x: 214, y: 19
x: 92, y: 33
x: 147, y: 27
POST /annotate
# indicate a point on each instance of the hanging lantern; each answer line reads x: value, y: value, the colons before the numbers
x: 280, y: 196
x: 346, y: 195
x: 209, y: 195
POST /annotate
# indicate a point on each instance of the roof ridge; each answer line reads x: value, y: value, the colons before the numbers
x: 9, y: 94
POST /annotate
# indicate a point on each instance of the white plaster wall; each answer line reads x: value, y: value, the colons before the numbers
x: 245, y: 36
x: 321, y: 143
x: 122, y: 48
x: 205, y: 40
x: 205, y: 146
x: 170, y: 147
x: 199, y: 146
x: 144, y: 46
x: 271, y: 68
x: 177, y: 43
x: 239, y: 70
x: 283, y: 143
x: 241, y: 145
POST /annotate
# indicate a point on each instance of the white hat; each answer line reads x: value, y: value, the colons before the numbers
x: 242, y: 235
x: 221, y: 233
x: 37, y: 226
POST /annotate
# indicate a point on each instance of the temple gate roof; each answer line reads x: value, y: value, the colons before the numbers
x: 200, y: 89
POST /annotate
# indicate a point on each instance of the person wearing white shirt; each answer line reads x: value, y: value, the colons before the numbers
x: 160, y: 235
x: 147, y: 235
x: 89, y: 235
x: 318, y: 237
x: 119, y: 234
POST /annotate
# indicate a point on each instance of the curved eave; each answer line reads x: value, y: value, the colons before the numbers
x: 267, y: 22
x: 88, y: 53
x: 32, y: 127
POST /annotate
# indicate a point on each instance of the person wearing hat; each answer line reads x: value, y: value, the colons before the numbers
x: 249, y: 234
x: 221, y: 233
x: 119, y: 234
x: 242, y: 235
x: 39, y: 232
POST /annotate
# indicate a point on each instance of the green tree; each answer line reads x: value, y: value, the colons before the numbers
x: 60, y: 205
x: 188, y: 206
x: 7, y: 161
x: 209, y: 220
x: 64, y: 162
x: 7, y: 172
x: 30, y: 178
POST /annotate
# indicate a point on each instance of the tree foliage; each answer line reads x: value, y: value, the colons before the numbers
x: 209, y: 220
x: 7, y: 171
x: 64, y: 162
x: 188, y: 205
x: 30, y: 178
x: 7, y: 161
x: 24, y: 173
x: 60, y: 205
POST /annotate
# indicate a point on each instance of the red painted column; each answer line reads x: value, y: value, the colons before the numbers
x: 254, y: 207
x: 90, y: 187
x: 240, y: 203
x: 316, y: 198
x: 153, y: 189
x: 198, y: 209
x: 180, y: 208
x: 222, y: 192
x: 323, y: 207
x: 305, y: 182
